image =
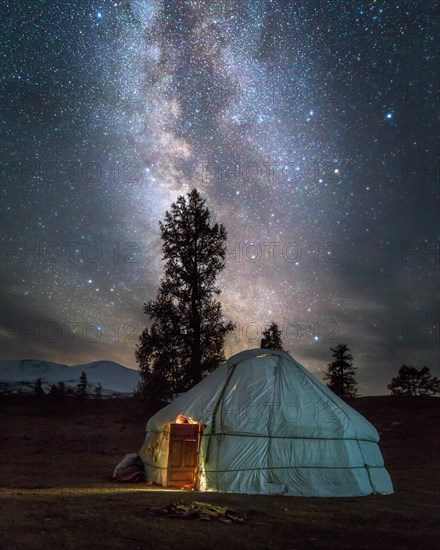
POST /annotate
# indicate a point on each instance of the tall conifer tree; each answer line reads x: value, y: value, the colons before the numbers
x: 341, y: 373
x: 185, y: 340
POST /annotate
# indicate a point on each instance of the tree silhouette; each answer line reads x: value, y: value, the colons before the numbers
x: 186, y: 337
x: 159, y: 363
x: 58, y: 391
x: 81, y: 387
x: 272, y: 337
x: 340, y: 373
x: 38, y: 389
x: 413, y: 382
x: 98, y: 390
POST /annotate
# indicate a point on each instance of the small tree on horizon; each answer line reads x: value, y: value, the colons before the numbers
x: 98, y: 391
x: 186, y: 337
x: 81, y: 388
x: 340, y: 373
x: 272, y: 338
x: 413, y: 382
x: 38, y: 388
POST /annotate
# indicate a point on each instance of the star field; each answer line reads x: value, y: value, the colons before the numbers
x: 311, y: 128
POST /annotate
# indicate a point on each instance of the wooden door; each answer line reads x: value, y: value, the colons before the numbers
x: 183, y: 454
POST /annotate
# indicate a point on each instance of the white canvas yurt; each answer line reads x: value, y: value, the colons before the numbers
x: 262, y: 424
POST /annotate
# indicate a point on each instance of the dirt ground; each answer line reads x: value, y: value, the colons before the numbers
x: 55, y: 488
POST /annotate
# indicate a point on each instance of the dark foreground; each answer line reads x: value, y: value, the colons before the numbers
x: 55, y: 488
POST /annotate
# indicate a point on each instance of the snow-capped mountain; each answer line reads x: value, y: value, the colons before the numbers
x: 113, y: 377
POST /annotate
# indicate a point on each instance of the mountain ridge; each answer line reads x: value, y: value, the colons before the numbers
x: 112, y: 376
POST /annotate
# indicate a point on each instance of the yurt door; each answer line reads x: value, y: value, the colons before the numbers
x: 183, y: 454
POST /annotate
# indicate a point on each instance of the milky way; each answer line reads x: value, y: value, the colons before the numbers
x: 311, y: 128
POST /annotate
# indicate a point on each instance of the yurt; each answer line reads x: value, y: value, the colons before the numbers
x: 263, y: 424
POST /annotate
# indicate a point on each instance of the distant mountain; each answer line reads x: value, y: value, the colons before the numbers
x: 113, y: 377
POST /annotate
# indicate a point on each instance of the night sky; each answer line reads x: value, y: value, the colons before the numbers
x: 311, y: 128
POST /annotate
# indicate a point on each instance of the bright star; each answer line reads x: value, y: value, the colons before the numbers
x: 389, y: 116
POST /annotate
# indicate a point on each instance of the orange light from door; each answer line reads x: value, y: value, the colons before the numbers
x: 182, y: 419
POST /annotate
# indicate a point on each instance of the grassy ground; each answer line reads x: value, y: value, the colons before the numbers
x: 56, y: 492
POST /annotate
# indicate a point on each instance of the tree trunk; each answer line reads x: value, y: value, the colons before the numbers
x: 196, y: 355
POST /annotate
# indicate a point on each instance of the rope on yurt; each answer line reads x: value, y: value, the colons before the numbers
x: 239, y: 434
x: 290, y: 467
x: 317, y: 467
x: 367, y: 467
x: 214, y: 413
x: 270, y: 422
